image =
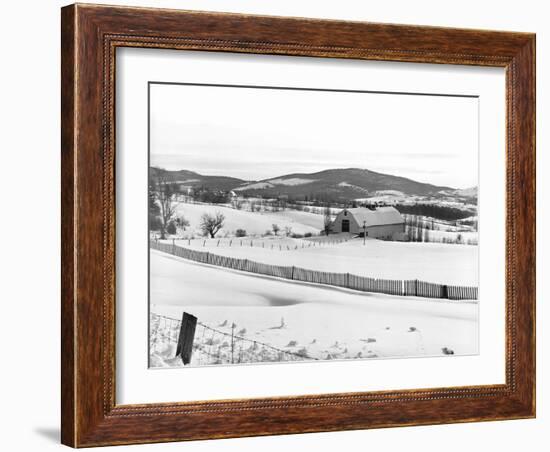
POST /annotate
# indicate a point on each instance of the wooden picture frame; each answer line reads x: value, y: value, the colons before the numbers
x: 90, y: 35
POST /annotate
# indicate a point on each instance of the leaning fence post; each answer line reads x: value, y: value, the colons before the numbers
x: 186, y: 337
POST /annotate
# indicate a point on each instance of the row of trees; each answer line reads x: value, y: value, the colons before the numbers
x: 209, y: 196
x: 441, y: 212
x: 416, y: 229
x: 259, y: 204
x: 419, y: 230
x: 315, y: 199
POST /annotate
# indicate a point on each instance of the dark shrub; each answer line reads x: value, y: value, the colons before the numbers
x: 240, y: 233
x: 171, y: 228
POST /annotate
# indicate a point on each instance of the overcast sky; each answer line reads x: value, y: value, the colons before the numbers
x: 257, y: 134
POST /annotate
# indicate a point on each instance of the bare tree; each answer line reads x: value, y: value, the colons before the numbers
x: 182, y: 222
x: 420, y: 229
x: 154, y: 210
x: 288, y: 230
x: 275, y: 228
x: 211, y: 224
x: 237, y: 204
x: 327, y: 220
x: 165, y: 199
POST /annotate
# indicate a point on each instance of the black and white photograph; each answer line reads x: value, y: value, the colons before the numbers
x: 291, y: 224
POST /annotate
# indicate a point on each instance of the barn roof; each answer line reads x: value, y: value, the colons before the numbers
x: 379, y: 216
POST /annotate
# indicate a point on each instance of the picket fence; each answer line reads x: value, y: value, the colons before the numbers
x: 400, y: 287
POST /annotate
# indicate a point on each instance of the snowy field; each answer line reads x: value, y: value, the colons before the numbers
x: 432, y: 262
x: 255, y: 223
x: 258, y: 223
x: 320, y: 321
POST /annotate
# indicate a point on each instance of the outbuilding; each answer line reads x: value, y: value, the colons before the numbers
x: 384, y: 223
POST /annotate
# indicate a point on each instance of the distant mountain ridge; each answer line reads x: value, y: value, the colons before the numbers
x: 193, y: 179
x: 351, y: 181
x: 344, y: 183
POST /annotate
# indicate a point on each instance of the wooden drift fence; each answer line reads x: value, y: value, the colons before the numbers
x: 399, y: 287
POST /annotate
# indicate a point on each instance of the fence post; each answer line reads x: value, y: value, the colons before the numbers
x: 232, y: 340
x: 186, y: 337
x: 292, y: 273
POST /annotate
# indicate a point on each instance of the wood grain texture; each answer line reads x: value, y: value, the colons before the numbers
x: 90, y: 36
x: 68, y: 147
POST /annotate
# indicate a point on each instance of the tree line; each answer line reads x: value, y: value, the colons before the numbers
x: 441, y: 212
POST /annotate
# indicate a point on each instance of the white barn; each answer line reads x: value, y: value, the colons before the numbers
x: 381, y: 223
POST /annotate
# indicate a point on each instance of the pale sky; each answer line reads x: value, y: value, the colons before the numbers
x: 258, y: 134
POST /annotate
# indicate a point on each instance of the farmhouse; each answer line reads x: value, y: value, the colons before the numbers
x: 380, y: 223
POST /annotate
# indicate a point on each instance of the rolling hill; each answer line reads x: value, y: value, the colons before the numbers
x: 192, y: 179
x: 341, y: 183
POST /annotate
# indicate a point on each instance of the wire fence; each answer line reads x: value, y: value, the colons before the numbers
x: 222, y: 345
x: 281, y: 243
x: 400, y: 287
